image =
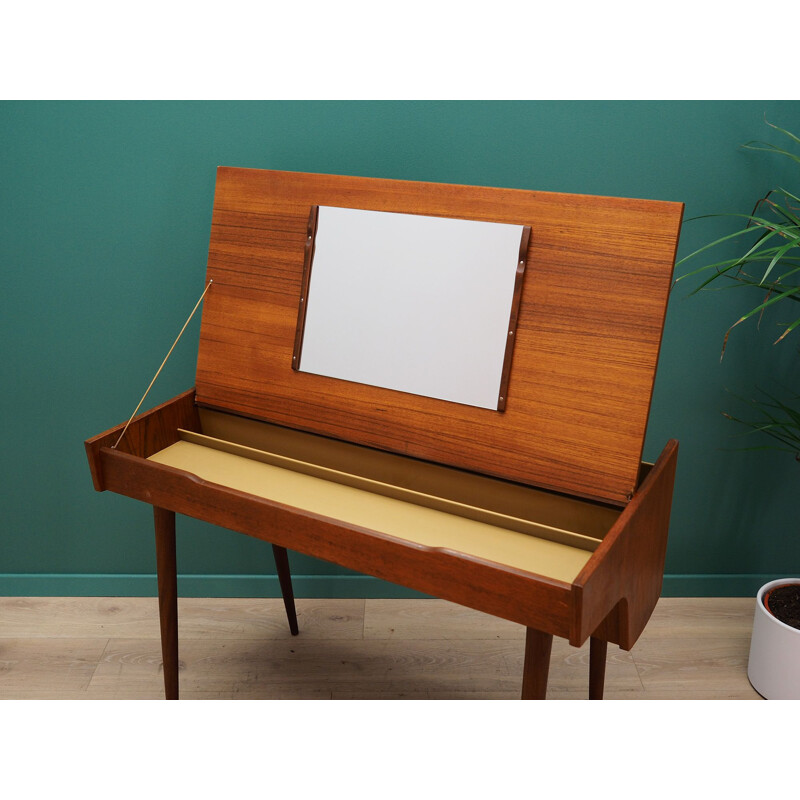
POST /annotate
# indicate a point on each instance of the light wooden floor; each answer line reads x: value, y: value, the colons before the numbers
x: 109, y: 648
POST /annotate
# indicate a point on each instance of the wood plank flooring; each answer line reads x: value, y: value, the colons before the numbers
x: 109, y: 648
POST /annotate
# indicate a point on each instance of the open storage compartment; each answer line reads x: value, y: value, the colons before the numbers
x: 418, y: 502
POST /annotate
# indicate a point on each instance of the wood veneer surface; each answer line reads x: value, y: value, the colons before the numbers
x: 588, y: 330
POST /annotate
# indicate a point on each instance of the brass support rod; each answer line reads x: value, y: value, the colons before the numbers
x: 185, y: 324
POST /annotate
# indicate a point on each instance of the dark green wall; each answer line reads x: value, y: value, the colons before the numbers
x: 104, y: 220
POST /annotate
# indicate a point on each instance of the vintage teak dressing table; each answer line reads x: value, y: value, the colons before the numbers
x: 532, y: 505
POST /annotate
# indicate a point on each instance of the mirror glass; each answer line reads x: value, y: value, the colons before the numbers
x: 413, y: 303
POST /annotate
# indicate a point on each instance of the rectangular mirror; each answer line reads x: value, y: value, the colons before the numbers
x: 418, y: 304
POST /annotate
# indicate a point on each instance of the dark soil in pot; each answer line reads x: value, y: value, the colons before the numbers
x: 783, y: 602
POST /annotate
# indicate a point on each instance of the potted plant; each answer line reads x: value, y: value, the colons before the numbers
x: 769, y: 266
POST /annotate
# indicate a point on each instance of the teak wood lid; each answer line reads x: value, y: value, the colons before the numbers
x: 588, y: 330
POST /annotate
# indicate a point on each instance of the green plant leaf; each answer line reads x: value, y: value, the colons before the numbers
x: 790, y: 327
x: 713, y: 244
x: 768, y: 264
x: 787, y: 432
x: 777, y: 208
x: 787, y: 133
x: 789, y: 194
x: 770, y: 148
x: 730, y: 264
x: 779, y: 296
x: 776, y: 258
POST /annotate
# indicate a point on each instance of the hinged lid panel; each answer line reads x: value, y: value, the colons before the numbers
x: 588, y: 328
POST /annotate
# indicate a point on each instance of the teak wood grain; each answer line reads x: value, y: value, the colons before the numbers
x: 543, y: 603
x: 588, y: 330
x: 629, y: 563
x: 167, y: 571
x: 536, y: 668
x: 611, y: 598
x: 524, y: 245
x: 147, y: 434
x: 588, y: 333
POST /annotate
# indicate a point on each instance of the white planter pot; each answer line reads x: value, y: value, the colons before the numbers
x: 774, y: 665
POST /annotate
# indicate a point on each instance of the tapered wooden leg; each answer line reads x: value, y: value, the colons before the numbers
x: 285, y: 580
x: 537, y: 664
x: 166, y: 566
x: 597, y: 667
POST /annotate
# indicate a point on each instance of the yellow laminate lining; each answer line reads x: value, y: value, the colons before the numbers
x: 437, y: 502
x: 402, y: 520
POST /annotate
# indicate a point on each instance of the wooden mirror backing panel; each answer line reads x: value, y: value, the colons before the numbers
x: 418, y: 304
x: 588, y: 330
